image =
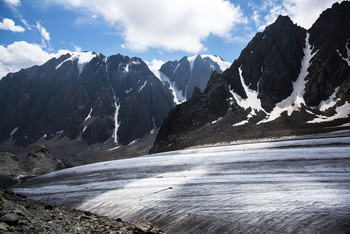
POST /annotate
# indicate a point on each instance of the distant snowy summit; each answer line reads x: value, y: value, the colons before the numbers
x: 189, y: 72
x: 287, y: 81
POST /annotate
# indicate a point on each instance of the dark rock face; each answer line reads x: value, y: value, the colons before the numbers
x: 275, y: 87
x: 195, y: 113
x: 188, y: 73
x: 270, y: 63
x: 83, y: 94
x: 330, y: 36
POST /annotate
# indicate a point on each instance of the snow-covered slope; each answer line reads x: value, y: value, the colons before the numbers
x: 288, y: 186
x: 184, y: 75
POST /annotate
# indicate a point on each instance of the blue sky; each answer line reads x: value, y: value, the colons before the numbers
x: 33, y: 31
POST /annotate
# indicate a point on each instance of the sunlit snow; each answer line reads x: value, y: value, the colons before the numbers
x: 222, y: 64
x: 88, y: 116
x: 280, y: 187
x: 342, y: 112
x: 330, y: 102
x: 82, y: 57
x: 177, y: 94
x: 191, y: 61
x: 252, y: 101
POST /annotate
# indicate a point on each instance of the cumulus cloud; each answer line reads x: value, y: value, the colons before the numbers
x: 155, y: 64
x: 9, y: 24
x: 166, y: 24
x: 306, y: 12
x: 302, y: 12
x: 22, y: 54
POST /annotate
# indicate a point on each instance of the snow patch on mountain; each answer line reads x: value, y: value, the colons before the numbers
x: 116, y: 122
x: 296, y: 99
x: 343, y: 112
x: 177, y: 94
x: 241, y: 123
x: 82, y: 57
x: 330, y: 102
x: 144, y: 84
x: 178, y: 65
x: 89, y: 115
x: 132, y: 63
x: 191, y: 61
x: 348, y: 53
x: 252, y: 101
x: 13, y: 131
x: 128, y: 90
x: 155, y: 66
x: 222, y: 64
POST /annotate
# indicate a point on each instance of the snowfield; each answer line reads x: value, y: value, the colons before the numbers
x: 294, y: 186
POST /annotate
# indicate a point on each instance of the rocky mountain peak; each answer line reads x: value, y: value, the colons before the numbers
x: 287, y: 80
x: 189, y: 72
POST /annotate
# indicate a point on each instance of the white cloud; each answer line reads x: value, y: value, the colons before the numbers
x: 256, y: 17
x: 302, y: 12
x: 166, y: 24
x: 155, y: 64
x: 43, y: 31
x: 306, y: 12
x: 29, y: 27
x: 9, y: 24
x: 13, y: 2
x: 22, y: 54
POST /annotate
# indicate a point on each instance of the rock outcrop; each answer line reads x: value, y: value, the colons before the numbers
x: 38, y: 162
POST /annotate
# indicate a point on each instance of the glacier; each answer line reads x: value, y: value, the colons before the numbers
x: 289, y: 186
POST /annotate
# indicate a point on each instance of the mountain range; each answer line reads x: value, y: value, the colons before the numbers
x: 82, y: 101
x: 87, y: 107
x: 83, y: 94
x: 287, y: 81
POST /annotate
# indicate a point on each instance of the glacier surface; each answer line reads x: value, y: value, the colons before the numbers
x: 273, y: 187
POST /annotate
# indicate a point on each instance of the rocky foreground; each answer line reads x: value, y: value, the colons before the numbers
x: 21, y: 215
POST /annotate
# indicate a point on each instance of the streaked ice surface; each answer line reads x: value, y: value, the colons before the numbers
x: 296, y: 186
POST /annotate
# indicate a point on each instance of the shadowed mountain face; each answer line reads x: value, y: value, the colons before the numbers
x: 288, y: 80
x: 86, y: 95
